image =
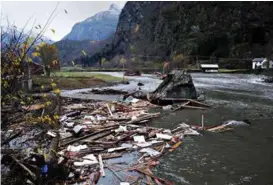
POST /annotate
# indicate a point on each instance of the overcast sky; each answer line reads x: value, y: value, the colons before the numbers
x: 18, y: 12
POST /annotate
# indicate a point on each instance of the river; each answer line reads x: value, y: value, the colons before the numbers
x: 242, y: 156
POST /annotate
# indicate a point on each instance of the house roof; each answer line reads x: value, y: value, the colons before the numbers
x: 258, y: 59
x: 209, y: 66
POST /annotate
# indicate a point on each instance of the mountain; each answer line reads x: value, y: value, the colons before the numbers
x: 72, y: 49
x: 98, y: 27
x: 8, y: 34
x: 219, y: 29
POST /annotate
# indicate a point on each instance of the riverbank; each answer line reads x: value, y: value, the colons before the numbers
x: 214, y: 157
x: 74, y: 80
x: 146, y: 70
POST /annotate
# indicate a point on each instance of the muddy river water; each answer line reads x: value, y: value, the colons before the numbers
x: 242, y: 156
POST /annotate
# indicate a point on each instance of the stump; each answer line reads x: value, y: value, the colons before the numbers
x: 177, y: 85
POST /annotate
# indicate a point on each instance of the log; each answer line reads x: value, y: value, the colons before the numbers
x: 199, y: 103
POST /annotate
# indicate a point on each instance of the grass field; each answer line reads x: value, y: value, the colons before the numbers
x: 104, y: 77
x: 75, y: 80
x: 81, y: 69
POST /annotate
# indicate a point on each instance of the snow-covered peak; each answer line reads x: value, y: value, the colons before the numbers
x: 113, y: 10
x: 115, y: 7
x: 103, y: 23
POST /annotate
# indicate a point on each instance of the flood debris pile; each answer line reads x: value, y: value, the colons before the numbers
x: 92, y: 138
x: 97, y: 142
x: 101, y: 142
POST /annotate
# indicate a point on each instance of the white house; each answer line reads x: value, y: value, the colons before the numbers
x: 261, y: 63
x: 209, y: 67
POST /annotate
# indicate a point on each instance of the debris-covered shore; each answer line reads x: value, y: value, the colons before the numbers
x: 95, y: 141
x: 105, y: 142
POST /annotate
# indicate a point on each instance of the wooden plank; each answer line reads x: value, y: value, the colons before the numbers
x: 176, y: 145
x: 98, y: 136
x: 87, y: 136
x: 101, y: 166
x: 109, y: 109
x: 193, y: 107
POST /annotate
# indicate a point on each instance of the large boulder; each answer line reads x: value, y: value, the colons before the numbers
x: 177, y: 85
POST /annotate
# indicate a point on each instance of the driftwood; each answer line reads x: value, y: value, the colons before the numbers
x: 142, y: 118
x: 221, y: 128
x: 180, y: 106
x: 193, y: 107
x: 87, y: 136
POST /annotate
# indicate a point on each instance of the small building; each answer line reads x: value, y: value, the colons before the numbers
x: 261, y: 63
x: 35, y: 68
x: 209, y: 68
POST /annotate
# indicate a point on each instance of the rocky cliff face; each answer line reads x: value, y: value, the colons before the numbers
x: 220, y: 29
x: 98, y: 27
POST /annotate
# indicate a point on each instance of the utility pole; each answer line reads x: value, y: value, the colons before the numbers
x: 197, y: 61
x: 29, y: 80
